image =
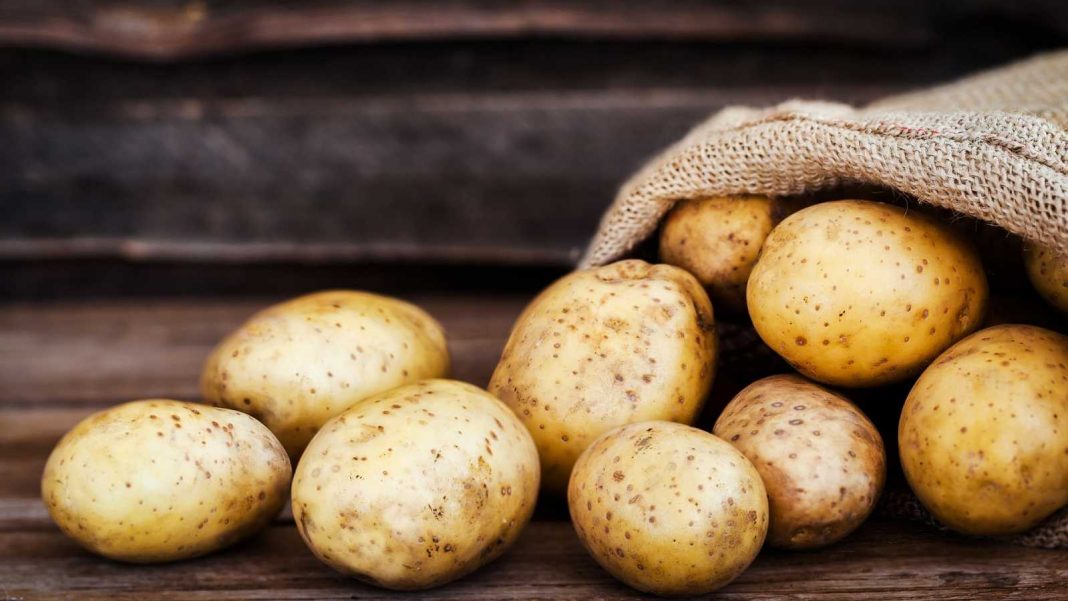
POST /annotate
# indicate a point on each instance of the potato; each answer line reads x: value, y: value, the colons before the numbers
x: 159, y: 480
x: 717, y: 239
x: 984, y: 433
x: 1049, y: 274
x: 820, y: 457
x: 295, y: 365
x: 416, y: 486
x: 622, y: 343
x: 668, y: 509
x: 858, y: 293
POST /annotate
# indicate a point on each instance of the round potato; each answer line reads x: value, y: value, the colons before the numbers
x: 668, y: 509
x: 295, y: 365
x: 622, y: 343
x: 718, y: 239
x: 820, y: 457
x: 417, y: 486
x: 984, y: 433
x: 159, y: 480
x: 1049, y: 274
x: 859, y: 293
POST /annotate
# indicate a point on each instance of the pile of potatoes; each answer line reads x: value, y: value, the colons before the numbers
x: 407, y: 480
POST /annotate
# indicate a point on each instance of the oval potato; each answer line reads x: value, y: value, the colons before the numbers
x: 718, y: 239
x: 983, y: 434
x: 160, y: 480
x: 1048, y: 272
x: 860, y: 293
x: 821, y: 458
x: 417, y: 486
x: 622, y: 343
x: 297, y: 364
x: 668, y: 509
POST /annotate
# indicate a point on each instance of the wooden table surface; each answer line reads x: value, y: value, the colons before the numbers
x: 59, y: 362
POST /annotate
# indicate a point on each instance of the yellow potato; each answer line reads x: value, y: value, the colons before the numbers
x: 416, y: 486
x: 859, y: 293
x: 160, y: 480
x: 718, y: 239
x: 622, y: 343
x: 668, y: 509
x: 983, y: 435
x: 820, y: 457
x: 299, y: 363
x: 1049, y: 274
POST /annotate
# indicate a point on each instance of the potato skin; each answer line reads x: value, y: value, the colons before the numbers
x: 296, y: 364
x: 718, y: 239
x: 984, y: 432
x: 622, y: 343
x: 821, y: 458
x: 668, y: 509
x: 159, y: 480
x: 417, y: 486
x: 860, y: 293
x: 1048, y: 272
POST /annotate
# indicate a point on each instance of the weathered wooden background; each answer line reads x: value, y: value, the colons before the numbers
x: 490, y: 132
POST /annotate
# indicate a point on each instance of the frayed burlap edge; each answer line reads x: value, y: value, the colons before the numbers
x: 993, y: 146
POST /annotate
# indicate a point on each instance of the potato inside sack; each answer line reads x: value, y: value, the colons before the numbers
x: 821, y: 459
x: 602, y: 347
x: 667, y: 508
x: 1048, y: 272
x: 859, y: 293
x: 417, y: 486
x: 718, y: 239
x: 297, y: 364
x: 159, y: 480
x: 983, y: 435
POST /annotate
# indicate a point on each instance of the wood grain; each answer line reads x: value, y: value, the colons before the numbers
x: 168, y: 30
x: 883, y: 560
x: 450, y: 151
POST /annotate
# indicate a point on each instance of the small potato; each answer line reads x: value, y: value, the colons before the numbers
x: 622, y: 343
x: 1049, y: 274
x: 297, y: 364
x: 417, y: 486
x: 820, y: 457
x: 984, y: 433
x: 718, y: 239
x: 668, y: 509
x: 160, y: 480
x: 859, y: 293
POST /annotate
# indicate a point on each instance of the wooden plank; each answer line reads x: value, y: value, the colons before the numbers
x: 172, y: 29
x: 168, y: 30
x: 509, y: 153
x: 883, y: 560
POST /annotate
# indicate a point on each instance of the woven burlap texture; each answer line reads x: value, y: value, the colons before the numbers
x: 993, y: 146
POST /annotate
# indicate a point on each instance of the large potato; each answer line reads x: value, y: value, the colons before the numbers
x: 667, y: 508
x: 416, y: 486
x: 820, y: 457
x: 160, y: 480
x: 623, y: 343
x: 299, y: 363
x: 1049, y: 274
x: 984, y: 433
x: 718, y: 239
x: 858, y: 293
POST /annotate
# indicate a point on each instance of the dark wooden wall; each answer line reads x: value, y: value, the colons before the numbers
x: 414, y: 131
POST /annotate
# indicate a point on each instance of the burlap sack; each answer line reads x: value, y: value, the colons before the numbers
x: 993, y: 146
